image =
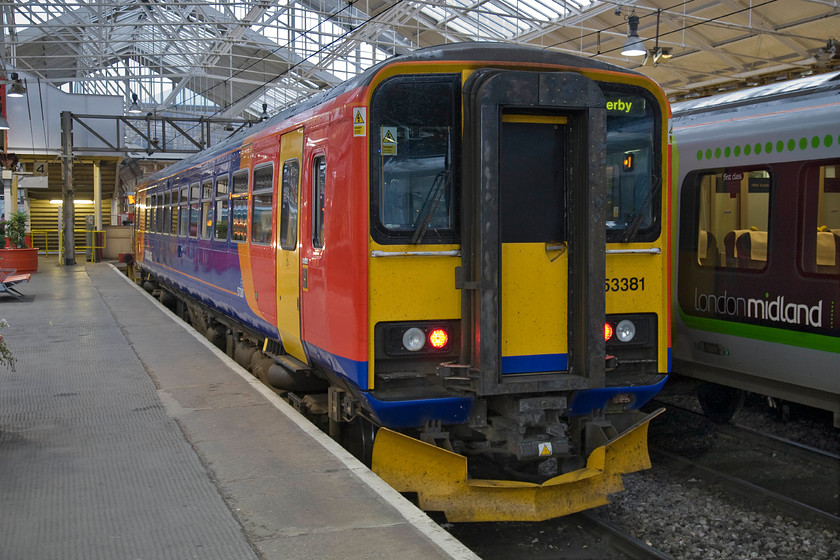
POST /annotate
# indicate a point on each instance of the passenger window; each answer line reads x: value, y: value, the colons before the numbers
x: 167, y: 211
x: 206, y: 205
x: 261, y: 229
x: 319, y: 182
x: 159, y: 213
x: 288, y: 205
x: 221, y: 230
x: 195, y: 209
x: 184, y: 218
x: 239, y: 207
x: 734, y: 206
x: 821, y: 232
x: 152, y: 227
x: 173, y: 213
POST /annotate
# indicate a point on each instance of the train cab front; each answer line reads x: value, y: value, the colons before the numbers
x: 490, y: 366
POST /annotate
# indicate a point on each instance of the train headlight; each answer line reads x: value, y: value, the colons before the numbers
x: 625, y: 331
x: 608, y: 331
x: 414, y: 339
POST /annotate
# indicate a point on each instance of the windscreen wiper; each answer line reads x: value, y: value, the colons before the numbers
x: 634, y: 226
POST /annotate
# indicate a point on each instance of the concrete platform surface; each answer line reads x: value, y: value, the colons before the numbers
x: 125, y: 435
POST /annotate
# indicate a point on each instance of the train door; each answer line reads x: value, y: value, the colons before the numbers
x: 288, y: 246
x: 532, y: 231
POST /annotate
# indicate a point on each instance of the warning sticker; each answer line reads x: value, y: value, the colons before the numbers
x: 544, y: 448
x: 388, y: 142
x: 360, y: 121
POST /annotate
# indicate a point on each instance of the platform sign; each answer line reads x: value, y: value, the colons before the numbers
x: 40, y: 168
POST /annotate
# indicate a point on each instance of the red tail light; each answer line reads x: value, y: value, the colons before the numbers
x: 438, y: 338
x: 608, y: 331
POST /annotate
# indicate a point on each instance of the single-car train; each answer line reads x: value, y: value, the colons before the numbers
x: 458, y: 257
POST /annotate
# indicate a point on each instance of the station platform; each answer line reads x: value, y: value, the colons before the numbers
x: 126, y: 435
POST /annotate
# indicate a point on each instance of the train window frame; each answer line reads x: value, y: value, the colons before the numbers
x: 262, y: 229
x: 239, y: 206
x: 424, y: 136
x: 184, y: 212
x: 206, y: 215
x: 724, y: 256
x: 151, y: 228
x: 819, y: 233
x: 635, y: 230
x: 288, y: 211
x: 319, y: 189
x: 222, y: 206
x: 167, y: 209
x: 173, y: 210
x: 159, y: 213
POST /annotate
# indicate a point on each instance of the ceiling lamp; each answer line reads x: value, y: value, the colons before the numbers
x: 134, y: 108
x: 17, y: 89
x: 264, y: 114
x: 633, y: 46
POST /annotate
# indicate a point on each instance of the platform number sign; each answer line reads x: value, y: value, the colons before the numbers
x: 40, y: 168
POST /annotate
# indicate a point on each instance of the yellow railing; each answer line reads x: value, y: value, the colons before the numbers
x: 93, y: 240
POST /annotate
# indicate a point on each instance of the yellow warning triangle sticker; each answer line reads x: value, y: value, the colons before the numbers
x: 544, y: 448
x: 389, y: 137
x: 359, y: 119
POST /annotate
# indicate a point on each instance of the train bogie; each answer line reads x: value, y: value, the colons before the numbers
x: 443, y: 243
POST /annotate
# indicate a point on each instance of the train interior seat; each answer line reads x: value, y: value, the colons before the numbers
x: 828, y: 252
x: 708, y: 253
x: 730, y: 250
x: 751, y: 249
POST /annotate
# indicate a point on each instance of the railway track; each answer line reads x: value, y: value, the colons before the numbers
x: 581, y: 536
x: 797, y: 479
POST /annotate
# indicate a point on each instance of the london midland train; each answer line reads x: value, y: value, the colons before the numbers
x: 457, y: 259
x: 757, y: 304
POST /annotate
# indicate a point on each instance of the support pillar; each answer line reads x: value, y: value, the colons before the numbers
x: 68, y: 192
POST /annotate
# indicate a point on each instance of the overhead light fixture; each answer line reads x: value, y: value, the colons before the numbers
x: 264, y: 114
x: 134, y: 107
x: 633, y: 46
x: 17, y: 89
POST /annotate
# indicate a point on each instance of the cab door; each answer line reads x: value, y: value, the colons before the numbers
x: 532, y: 231
x: 288, y: 246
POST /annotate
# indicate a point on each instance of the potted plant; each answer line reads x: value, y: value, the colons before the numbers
x: 17, y: 254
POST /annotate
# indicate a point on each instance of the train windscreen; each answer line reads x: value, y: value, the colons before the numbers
x: 634, y: 188
x: 416, y: 147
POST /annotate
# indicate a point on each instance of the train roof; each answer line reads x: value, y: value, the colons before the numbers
x: 480, y: 52
x: 821, y: 85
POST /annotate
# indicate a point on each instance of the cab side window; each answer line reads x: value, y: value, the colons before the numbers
x: 288, y: 204
x: 319, y: 186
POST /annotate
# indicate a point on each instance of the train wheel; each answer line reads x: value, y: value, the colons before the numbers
x: 357, y: 438
x: 720, y: 403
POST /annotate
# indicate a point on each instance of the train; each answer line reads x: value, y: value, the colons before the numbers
x: 757, y: 244
x: 456, y: 261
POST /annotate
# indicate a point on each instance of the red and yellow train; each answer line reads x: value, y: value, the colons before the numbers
x: 458, y: 257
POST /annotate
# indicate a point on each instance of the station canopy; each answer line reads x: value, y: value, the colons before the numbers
x: 238, y: 59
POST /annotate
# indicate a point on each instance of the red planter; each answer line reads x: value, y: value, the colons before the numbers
x: 22, y: 260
